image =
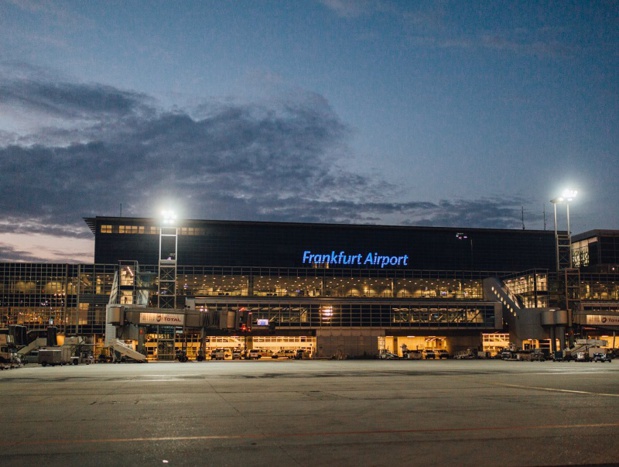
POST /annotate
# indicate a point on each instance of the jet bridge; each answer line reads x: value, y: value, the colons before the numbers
x: 527, y: 323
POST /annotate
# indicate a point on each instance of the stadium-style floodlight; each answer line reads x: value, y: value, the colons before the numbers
x: 168, y: 216
x: 566, y: 198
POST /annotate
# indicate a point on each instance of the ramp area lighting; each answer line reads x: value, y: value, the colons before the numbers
x: 168, y: 217
x: 563, y: 242
x: 567, y: 196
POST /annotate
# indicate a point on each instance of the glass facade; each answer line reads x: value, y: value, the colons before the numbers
x: 73, y: 297
x: 387, y: 315
x: 310, y: 282
x: 597, y: 250
x: 603, y: 287
x: 530, y: 287
x: 289, y: 279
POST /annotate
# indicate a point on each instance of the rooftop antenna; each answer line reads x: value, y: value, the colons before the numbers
x: 544, y: 206
x: 522, y: 216
x: 121, y: 210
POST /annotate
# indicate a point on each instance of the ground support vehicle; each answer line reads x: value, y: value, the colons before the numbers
x: 123, y: 352
x: 10, y: 363
x: 7, y: 364
x: 30, y: 353
x: 263, y: 353
x: 535, y: 355
x: 602, y: 357
x: 584, y: 349
x: 467, y: 354
x: 103, y: 358
x: 221, y: 354
x: 8, y: 353
x: 581, y: 356
x: 302, y: 354
x: 509, y: 355
x: 31, y: 357
x: 254, y: 354
x: 289, y: 354
x: 413, y: 355
x: 181, y: 356
x: 386, y: 355
x: 56, y: 356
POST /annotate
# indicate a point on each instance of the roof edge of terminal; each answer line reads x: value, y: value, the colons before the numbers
x: 92, y: 224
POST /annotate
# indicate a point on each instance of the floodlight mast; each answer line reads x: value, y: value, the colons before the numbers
x: 567, y: 280
x: 168, y: 245
x: 563, y: 241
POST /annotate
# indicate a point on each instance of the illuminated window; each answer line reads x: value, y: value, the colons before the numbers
x: 191, y: 231
x: 106, y: 229
x: 130, y: 229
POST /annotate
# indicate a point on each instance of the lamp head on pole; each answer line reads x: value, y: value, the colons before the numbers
x: 567, y: 196
x: 168, y: 217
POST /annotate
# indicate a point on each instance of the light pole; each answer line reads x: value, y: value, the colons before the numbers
x: 167, y: 287
x: 563, y: 242
x: 566, y: 279
x: 168, y: 245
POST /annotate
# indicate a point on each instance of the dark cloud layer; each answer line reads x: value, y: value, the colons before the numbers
x: 280, y: 162
x: 69, y: 100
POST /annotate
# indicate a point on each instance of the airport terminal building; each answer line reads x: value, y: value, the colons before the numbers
x: 332, y: 290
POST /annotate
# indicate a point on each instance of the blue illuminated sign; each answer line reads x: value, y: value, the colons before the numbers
x: 361, y: 259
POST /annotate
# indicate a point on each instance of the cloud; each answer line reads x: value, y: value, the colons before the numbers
x: 52, y: 246
x: 68, y: 100
x: 484, y: 213
x: 282, y: 161
x: 437, y: 25
x: 9, y: 253
x: 353, y: 8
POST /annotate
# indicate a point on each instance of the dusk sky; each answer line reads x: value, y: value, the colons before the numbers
x: 427, y: 113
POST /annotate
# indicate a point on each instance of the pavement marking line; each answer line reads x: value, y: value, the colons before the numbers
x: 307, y: 435
x: 569, y: 391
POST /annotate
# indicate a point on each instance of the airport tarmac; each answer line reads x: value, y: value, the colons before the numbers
x: 312, y: 413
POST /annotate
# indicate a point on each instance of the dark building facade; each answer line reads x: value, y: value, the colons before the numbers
x: 296, y: 245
